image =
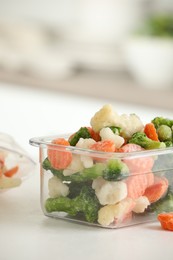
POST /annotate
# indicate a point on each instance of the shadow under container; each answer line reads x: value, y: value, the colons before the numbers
x: 109, y: 190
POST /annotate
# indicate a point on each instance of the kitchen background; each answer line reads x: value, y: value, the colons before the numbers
x: 121, y: 50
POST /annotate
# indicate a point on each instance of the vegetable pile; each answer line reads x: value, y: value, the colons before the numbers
x: 102, y: 173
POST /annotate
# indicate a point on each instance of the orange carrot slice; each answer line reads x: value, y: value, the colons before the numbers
x: 128, y: 148
x: 166, y: 220
x: 59, y: 158
x: 157, y: 190
x: 151, y: 132
x: 93, y: 134
x: 137, y: 165
x: 136, y: 185
x: 12, y: 171
x: 103, y: 146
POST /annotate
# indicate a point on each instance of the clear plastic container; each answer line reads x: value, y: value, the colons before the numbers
x: 15, y: 164
x: 108, y: 190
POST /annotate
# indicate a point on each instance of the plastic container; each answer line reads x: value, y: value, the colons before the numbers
x: 108, y: 190
x: 15, y: 164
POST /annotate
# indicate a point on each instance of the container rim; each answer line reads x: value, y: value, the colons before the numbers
x: 44, y: 141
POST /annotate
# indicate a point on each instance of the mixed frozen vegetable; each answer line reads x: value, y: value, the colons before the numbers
x: 7, y: 174
x: 15, y: 164
x: 101, y: 173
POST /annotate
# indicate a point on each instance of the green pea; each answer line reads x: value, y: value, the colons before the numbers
x: 164, y: 133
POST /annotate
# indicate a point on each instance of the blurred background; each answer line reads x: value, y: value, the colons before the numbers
x: 121, y: 50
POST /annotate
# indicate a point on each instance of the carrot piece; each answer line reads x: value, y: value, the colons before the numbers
x: 156, y: 190
x: 136, y: 185
x: 12, y: 171
x: 94, y: 134
x: 128, y: 148
x: 103, y: 146
x: 166, y: 220
x: 59, y: 158
x: 137, y: 165
x: 151, y: 132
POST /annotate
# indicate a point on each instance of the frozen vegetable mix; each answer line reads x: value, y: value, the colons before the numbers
x: 15, y: 163
x: 115, y: 171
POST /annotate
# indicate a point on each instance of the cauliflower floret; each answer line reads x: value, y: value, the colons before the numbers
x: 115, y: 213
x: 85, y: 144
x: 141, y: 204
x: 104, y: 117
x: 87, y: 161
x: 98, y: 183
x: 106, y: 215
x: 130, y: 124
x: 75, y: 166
x: 107, y: 134
x: 109, y: 192
x: 57, y: 188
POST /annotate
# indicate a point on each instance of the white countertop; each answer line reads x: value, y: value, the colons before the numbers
x: 25, y: 233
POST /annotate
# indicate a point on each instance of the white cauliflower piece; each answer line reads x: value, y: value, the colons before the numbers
x: 104, y: 117
x: 130, y: 124
x: 98, y: 183
x: 109, y: 192
x: 87, y: 161
x: 107, y: 134
x: 106, y: 215
x: 57, y: 188
x: 85, y: 144
x: 75, y: 166
x: 115, y: 213
x: 141, y: 204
